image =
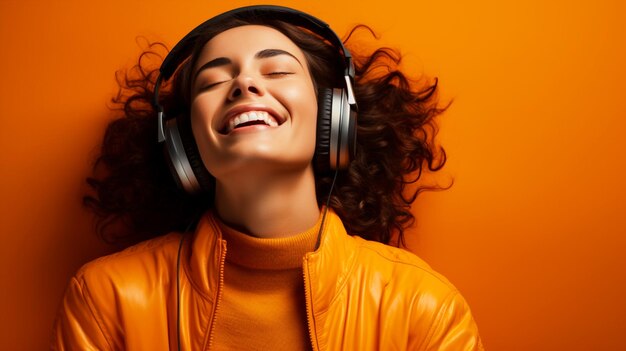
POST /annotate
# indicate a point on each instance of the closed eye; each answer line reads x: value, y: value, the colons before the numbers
x: 279, y: 73
x: 209, y: 86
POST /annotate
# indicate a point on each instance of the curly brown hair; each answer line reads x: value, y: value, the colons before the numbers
x: 395, y: 141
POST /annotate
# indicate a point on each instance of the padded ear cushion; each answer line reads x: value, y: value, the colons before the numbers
x: 204, y: 178
x: 324, y: 115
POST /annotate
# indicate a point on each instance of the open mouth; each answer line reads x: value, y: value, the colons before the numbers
x: 249, y: 118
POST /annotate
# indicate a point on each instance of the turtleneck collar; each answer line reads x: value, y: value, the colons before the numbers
x: 281, y: 252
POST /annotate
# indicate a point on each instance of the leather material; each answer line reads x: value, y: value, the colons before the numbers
x: 360, y: 295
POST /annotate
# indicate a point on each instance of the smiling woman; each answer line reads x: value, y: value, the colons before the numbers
x: 263, y: 71
x: 268, y: 164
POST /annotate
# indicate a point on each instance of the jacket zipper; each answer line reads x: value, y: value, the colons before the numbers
x: 307, y: 298
x: 220, y: 286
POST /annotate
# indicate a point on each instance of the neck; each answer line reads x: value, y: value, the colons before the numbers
x: 277, y: 205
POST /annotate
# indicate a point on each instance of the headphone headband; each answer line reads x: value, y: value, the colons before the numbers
x: 286, y: 14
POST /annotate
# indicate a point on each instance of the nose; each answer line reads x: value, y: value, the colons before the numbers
x: 245, y: 86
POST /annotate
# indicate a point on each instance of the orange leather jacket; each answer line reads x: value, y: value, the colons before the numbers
x: 360, y: 295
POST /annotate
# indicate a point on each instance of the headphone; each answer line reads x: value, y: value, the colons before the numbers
x: 337, y: 108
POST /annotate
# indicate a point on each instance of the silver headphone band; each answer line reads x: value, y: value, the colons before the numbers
x: 344, y: 130
x: 179, y: 159
x: 335, y: 126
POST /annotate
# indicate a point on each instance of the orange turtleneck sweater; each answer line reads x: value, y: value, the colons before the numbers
x: 263, y: 303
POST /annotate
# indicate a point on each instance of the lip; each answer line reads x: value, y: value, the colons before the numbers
x: 237, y: 110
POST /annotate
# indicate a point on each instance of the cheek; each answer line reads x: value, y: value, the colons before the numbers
x: 201, y: 120
x: 200, y: 111
x: 305, y: 111
x: 303, y: 101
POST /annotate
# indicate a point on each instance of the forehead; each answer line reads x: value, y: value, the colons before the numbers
x: 247, y: 40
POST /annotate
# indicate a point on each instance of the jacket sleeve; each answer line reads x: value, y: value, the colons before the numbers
x: 77, y: 326
x: 454, y: 328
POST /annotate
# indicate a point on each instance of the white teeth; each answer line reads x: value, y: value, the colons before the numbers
x: 252, y: 116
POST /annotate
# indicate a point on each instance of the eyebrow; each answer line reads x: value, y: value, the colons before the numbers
x: 223, y: 61
x: 274, y: 52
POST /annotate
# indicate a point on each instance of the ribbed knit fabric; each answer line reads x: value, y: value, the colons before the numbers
x: 263, y: 303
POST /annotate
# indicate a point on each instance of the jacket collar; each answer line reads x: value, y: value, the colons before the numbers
x: 328, y: 267
x: 326, y: 271
x: 204, y: 256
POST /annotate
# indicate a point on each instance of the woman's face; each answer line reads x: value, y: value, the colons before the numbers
x: 253, y: 103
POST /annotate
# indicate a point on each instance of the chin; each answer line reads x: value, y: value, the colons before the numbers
x: 257, y: 163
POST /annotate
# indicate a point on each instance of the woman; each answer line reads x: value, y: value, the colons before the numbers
x: 258, y: 124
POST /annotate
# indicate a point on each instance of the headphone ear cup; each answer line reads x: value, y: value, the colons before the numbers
x: 324, y: 117
x: 204, y: 178
x: 184, y: 159
x: 342, y: 131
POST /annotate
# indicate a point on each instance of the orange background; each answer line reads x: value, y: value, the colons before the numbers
x: 532, y: 232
